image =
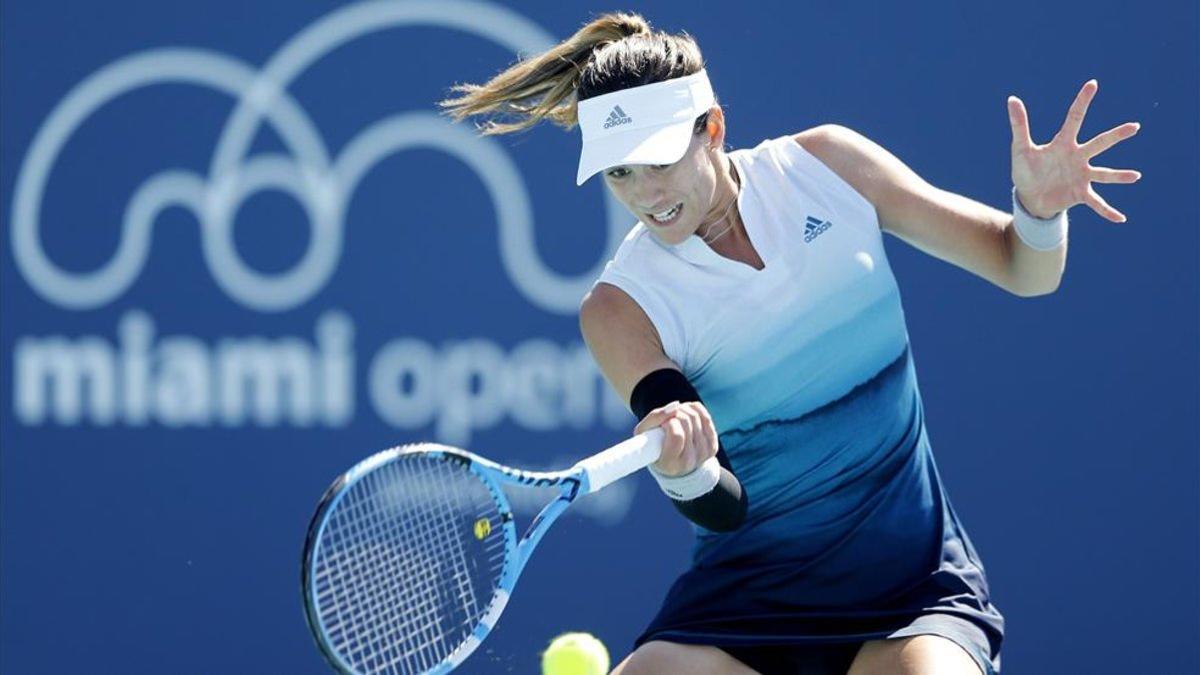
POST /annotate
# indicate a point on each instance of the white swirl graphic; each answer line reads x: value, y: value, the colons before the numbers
x: 322, y: 185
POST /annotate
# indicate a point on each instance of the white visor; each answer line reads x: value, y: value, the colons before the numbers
x: 650, y: 124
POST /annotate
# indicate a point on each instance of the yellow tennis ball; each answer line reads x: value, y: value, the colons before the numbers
x: 575, y: 654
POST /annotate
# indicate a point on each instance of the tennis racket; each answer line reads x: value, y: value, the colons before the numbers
x: 412, y: 554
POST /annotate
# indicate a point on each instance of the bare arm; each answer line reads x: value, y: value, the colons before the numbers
x: 622, y: 339
x: 1048, y: 179
x: 953, y: 228
x: 627, y: 348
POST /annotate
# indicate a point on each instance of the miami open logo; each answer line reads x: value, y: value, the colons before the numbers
x: 143, y: 374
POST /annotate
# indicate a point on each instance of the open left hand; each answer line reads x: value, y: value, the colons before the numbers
x: 1057, y: 176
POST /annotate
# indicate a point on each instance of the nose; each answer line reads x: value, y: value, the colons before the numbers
x: 648, y: 190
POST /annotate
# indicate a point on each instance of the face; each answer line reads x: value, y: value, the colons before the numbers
x: 673, y: 200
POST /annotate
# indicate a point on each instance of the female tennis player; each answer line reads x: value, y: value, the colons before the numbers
x: 753, y: 298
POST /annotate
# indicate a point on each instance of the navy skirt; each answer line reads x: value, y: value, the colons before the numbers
x: 774, y: 637
x: 753, y: 614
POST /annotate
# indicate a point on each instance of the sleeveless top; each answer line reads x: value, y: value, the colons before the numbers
x: 806, y: 370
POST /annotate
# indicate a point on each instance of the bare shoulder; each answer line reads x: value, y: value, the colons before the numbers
x: 621, y: 338
x: 858, y: 160
x: 830, y: 139
x: 826, y: 140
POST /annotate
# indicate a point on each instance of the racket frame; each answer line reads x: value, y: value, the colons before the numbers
x: 589, y: 475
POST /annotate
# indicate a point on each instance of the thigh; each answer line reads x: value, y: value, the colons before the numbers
x: 917, y: 655
x: 657, y: 657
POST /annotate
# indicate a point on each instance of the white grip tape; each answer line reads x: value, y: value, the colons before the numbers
x: 695, y: 483
x: 1039, y: 234
x: 622, y: 459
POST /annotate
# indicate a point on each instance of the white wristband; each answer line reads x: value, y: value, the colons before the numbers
x: 1039, y: 234
x: 696, y: 483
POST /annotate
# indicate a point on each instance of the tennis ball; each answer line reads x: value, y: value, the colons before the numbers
x: 575, y: 654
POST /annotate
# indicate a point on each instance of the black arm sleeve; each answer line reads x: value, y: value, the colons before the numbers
x: 724, y: 507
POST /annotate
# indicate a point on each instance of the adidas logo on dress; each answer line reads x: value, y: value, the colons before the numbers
x: 617, y: 117
x: 813, y: 228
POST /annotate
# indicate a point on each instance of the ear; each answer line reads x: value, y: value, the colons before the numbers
x: 716, y: 127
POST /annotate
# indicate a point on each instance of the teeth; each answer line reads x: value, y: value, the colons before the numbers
x: 668, y: 214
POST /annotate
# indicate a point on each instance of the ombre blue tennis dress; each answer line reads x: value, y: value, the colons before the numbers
x: 806, y: 369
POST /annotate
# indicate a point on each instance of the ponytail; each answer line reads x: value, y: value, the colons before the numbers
x: 612, y: 52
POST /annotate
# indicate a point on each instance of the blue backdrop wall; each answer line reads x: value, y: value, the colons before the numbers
x: 210, y: 309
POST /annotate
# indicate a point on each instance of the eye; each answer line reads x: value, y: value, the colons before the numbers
x: 661, y: 167
x: 618, y: 172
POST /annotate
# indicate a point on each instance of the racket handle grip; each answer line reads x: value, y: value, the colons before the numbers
x: 622, y: 459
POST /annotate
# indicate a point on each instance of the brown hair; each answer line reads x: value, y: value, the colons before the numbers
x: 612, y: 52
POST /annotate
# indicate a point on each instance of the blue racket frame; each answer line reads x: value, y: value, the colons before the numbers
x: 573, y: 483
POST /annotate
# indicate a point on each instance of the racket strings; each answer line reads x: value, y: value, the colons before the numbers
x: 428, y: 640
x: 399, y: 586
x: 384, y: 573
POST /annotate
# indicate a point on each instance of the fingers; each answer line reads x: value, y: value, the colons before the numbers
x: 1101, y: 174
x: 702, y: 436
x: 656, y: 417
x: 690, y: 436
x: 1079, y: 109
x: 1018, y: 118
x: 677, y: 434
x: 1110, y: 138
x: 695, y: 441
x: 1100, y: 206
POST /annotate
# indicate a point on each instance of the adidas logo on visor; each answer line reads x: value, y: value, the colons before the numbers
x: 617, y: 117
